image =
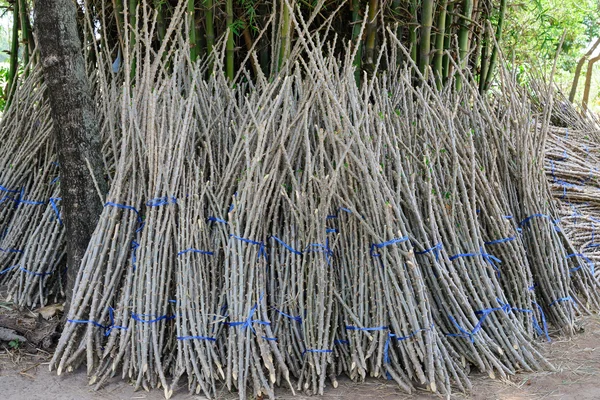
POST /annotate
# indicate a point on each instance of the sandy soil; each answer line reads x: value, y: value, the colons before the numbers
x: 25, y: 376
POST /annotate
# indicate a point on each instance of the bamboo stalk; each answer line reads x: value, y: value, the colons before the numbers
x: 427, y: 7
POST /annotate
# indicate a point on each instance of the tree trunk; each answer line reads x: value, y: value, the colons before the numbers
x: 75, y: 127
x: 578, y: 70
x: 14, y: 55
x: 588, y: 83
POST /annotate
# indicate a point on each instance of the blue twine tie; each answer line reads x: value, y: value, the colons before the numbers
x: 182, y: 252
x: 384, y: 244
x: 287, y: 246
x: 161, y: 201
x: 249, y: 321
x: 341, y: 341
x: 508, y: 239
x: 134, y: 246
x: 386, y: 347
x: 52, y: 202
x: 42, y: 274
x: 215, y: 219
x: 435, y: 249
x: 316, y: 351
x: 537, y: 327
x: 21, y: 200
x: 587, y: 260
x: 592, y: 244
x: 561, y: 300
x: 490, y: 259
x: 331, y: 230
x: 320, y: 248
x: 138, y: 318
x: 55, y: 180
x: 11, y: 251
x: 211, y: 339
x: 126, y: 207
x: 107, y: 328
x: 526, y: 220
x: 356, y: 328
x: 261, y: 251
x: 463, y: 332
x: 4, y: 271
x: 272, y: 339
x: 297, y: 318
x: 346, y: 210
x: 2, y: 188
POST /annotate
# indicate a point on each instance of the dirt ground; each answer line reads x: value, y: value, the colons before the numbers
x: 25, y: 376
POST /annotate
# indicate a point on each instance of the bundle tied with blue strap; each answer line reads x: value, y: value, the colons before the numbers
x: 490, y: 259
x: 248, y: 322
x: 107, y: 328
x: 262, y: 252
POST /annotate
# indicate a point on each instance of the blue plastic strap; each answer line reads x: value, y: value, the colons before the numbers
x: 317, y: 351
x: 42, y: 274
x: 435, y: 249
x: 539, y: 330
x: 2, y: 188
x: 384, y: 244
x: 297, y: 318
x: 4, y: 271
x: 215, y: 219
x: 249, y: 321
x: 126, y: 207
x: 287, y: 246
x: 210, y: 339
x: 273, y: 339
x: 490, y: 259
x: 508, y: 239
x: 52, y: 202
x: 346, y: 210
x: 208, y: 253
x: 55, y: 180
x: 356, y: 328
x: 331, y: 230
x: 161, y: 201
x: 587, y: 260
x: 134, y: 246
x: 526, y: 220
x: 11, y: 251
x: 151, y: 321
x: 400, y: 338
x: 341, y: 341
x: 386, y: 347
x: 561, y: 300
x: 107, y: 328
x: 261, y: 251
x: 320, y: 248
x: 463, y: 333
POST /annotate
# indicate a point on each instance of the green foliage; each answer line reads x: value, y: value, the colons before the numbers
x: 14, y: 344
x: 3, y: 82
x: 534, y: 30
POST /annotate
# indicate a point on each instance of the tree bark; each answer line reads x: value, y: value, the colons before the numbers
x: 75, y: 127
x: 580, y: 64
x: 588, y: 82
